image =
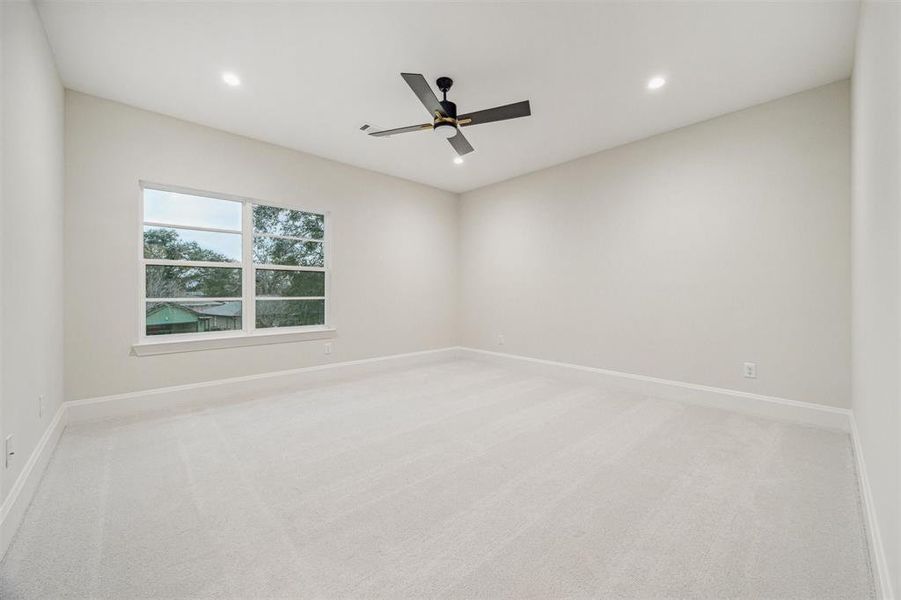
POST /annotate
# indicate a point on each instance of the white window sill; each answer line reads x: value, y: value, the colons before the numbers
x: 151, y: 348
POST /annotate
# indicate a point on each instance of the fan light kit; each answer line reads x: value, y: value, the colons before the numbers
x: 458, y: 160
x: 445, y: 122
x: 445, y: 129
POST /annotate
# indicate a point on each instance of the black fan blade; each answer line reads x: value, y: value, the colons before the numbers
x: 424, y: 92
x: 498, y: 113
x: 461, y: 144
x: 388, y: 132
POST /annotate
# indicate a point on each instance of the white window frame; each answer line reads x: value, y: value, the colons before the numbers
x: 249, y: 334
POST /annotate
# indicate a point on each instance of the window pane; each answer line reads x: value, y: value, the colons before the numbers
x: 165, y: 318
x: 185, y: 244
x: 281, y: 251
x: 290, y: 313
x: 282, y: 221
x: 183, y: 282
x: 173, y: 208
x: 290, y: 283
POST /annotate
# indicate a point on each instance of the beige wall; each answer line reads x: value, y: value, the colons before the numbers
x: 394, y: 247
x: 680, y: 256
x: 31, y: 236
x: 877, y: 265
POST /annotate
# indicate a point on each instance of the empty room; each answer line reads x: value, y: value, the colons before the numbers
x: 451, y: 300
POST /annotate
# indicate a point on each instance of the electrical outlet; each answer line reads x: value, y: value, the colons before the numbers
x: 751, y: 370
x: 500, y: 339
x: 9, y: 450
x: 328, y: 347
x: 41, y: 405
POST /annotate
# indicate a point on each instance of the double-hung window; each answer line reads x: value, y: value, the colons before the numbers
x: 214, y: 264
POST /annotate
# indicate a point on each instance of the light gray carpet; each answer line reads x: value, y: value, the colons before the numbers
x: 452, y: 480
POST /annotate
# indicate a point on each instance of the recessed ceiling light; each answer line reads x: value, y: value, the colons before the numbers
x: 655, y: 83
x: 458, y: 160
x: 231, y: 79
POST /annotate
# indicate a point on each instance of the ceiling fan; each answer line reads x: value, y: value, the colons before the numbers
x: 445, y: 121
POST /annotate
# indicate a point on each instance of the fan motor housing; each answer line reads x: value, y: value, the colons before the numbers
x: 450, y: 109
x: 446, y: 126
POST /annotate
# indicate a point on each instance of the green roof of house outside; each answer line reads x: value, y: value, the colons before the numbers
x: 173, y: 314
x: 223, y: 309
x: 169, y: 314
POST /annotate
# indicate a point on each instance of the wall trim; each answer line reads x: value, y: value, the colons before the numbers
x: 874, y: 535
x: 14, y: 506
x: 205, y: 392
x: 807, y: 413
x: 241, y: 339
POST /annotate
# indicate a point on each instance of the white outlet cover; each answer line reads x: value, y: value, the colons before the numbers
x: 750, y: 370
x: 9, y: 449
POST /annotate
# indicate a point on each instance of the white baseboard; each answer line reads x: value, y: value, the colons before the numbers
x: 877, y: 550
x: 772, y: 407
x: 13, y: 508
x: 202, y: 393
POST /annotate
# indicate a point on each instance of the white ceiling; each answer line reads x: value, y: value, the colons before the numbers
x: 313, y: 73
